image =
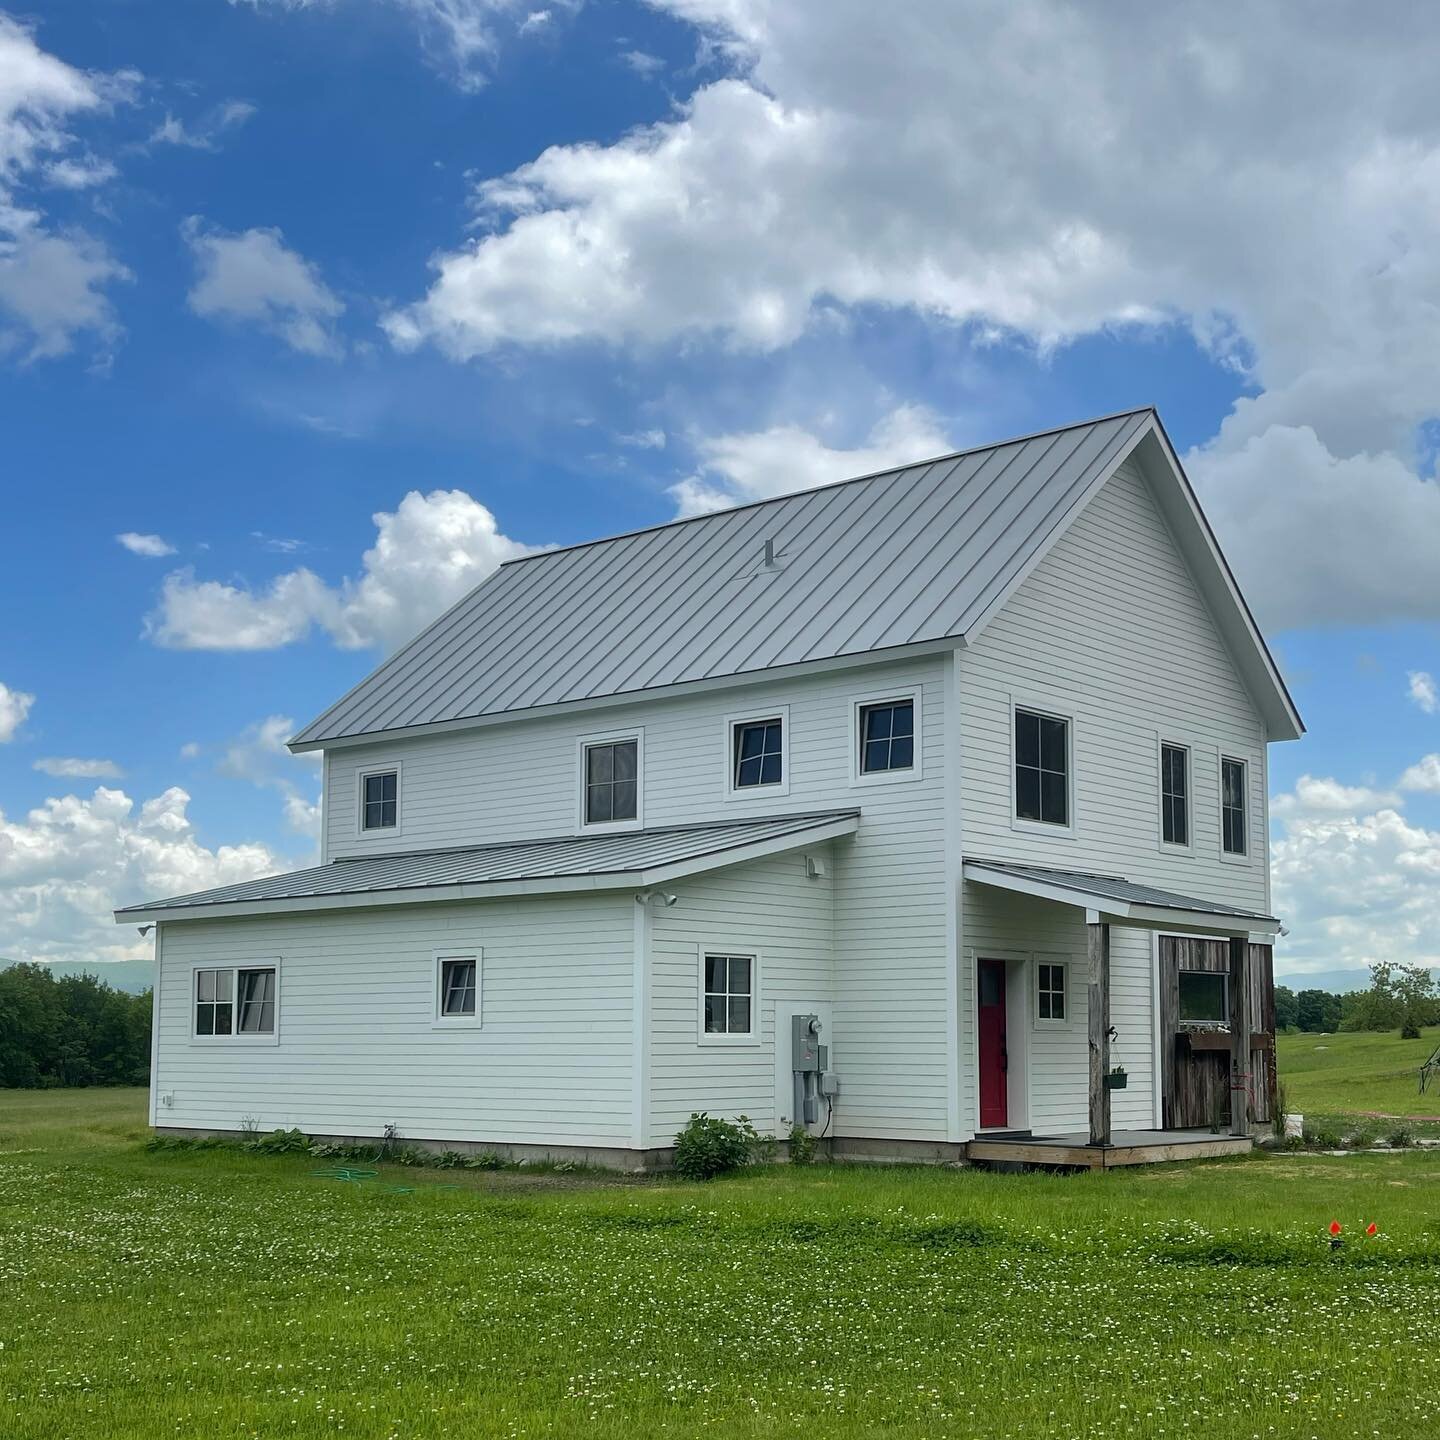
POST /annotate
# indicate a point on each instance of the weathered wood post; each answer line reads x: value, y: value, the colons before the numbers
x: 1098, y: 1008
x: 1239, y: 1034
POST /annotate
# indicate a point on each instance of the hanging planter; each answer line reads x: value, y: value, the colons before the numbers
x: 1116, y: 1079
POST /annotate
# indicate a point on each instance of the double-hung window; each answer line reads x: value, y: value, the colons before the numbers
x: 1050, y: 991
x: 1174, y: 794
x: 380, y: 800
x: 236, y: 1002
x: 1042, y: 768
x: 1234, y: 839
x: 612, y: 781
x: 728, y: 995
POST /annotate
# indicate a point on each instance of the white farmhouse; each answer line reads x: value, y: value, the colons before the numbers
x: 958, y: 770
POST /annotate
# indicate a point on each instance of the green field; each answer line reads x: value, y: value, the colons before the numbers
x: 219, y: 1294
x: 1360, y: 1075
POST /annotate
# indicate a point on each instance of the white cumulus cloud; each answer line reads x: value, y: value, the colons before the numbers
x: 14, y: 707
x: 253, y: 277
x: 1321, y: 795
x: 1037, y: 171
x: 1423, y: 691
x: 428, y: 553
x: 74, y: 768
x: 258, y: 755
x: 152, y: 546
x: 1423, y: 776
x: 70, y: 861
x: 53, y: 282
x: 758, y: 464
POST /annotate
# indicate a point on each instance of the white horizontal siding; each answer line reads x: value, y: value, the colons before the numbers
x: 771, y: 909
x: 1111, y: 629
x: 550, y: 1064
x: 516, y: 781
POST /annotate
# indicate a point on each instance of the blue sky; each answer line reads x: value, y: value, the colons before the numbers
x: 267, y: 269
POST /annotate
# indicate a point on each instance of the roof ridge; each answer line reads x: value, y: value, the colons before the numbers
x: 541, y: 554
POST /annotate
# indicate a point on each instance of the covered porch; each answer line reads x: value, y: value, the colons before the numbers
x: 1213, y: 1055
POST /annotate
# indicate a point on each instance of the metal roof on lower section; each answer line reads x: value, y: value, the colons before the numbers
x: 566, y: 863
x: 1112, y: 894
x: 912, y: 555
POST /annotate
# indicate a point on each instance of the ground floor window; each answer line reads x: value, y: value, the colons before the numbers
x: 729, y: 994
x: 1050, y: 991
x: 457, y: 988
x: 1204, y: 997
x: 236, y: 1000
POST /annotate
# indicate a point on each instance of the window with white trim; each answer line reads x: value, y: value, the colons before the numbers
x: 1042, y: 768
x: 887, y: 736
x: 457, y: 988
x: 1050, y: 990
x: 728, y: 994
x: 380, y: 800
x: 1234, y: 839
x: 757, y: 753
x: 1174, y: 794
x: 612, y: 781
x: 235, y: 1001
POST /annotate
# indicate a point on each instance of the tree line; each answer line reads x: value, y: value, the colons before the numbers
x: 76, y: 1030
x: 1401, y: 997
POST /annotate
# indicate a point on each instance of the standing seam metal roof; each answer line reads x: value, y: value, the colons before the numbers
x: 908, y: 555
x: 564, y: 857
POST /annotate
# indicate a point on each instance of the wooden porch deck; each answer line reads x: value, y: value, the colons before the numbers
x: 1127, y: 1147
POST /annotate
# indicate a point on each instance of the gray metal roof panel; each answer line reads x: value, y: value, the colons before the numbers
x: 911, y: 554
x: 564, y: 857
x: 1115, y: 887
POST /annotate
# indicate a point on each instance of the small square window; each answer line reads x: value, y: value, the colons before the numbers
x: 380, y: 800
x: 1175, y: 794
x: 1050, y: 992
x: 1204, y: 997
x: 758, y: 753
x: 887, y: 737
x: 1042, y: 768
x: 458, y: 981
x: 612, y: 781
x: 728, y: 994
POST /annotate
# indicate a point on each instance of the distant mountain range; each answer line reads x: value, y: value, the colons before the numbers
x: 132, y: 976
x: 1338, y: 982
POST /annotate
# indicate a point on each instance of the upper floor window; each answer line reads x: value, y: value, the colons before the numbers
x: 1233, y: 819
x: 758, y: 753
x: 380, y: 800
x: 1174, y: 794
x: 887, y: 736
x: 612, y: 781
x: 1042, y: 768
x: 238, y: 1000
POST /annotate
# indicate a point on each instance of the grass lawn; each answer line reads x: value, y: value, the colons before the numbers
x: 1361, y: 1073
x: 217, y: 1294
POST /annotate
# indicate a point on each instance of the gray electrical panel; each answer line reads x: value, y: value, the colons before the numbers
x: 809, y: 1060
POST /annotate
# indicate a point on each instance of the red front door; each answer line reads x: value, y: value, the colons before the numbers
x: 994, y: 1089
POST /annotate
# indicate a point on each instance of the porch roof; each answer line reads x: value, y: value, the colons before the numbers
x: 635, y: 859
x: 1113, y: 897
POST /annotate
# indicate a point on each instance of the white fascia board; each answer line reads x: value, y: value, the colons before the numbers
x: 503, y: 889
x: 1141, y: 917
x: 742, y: 680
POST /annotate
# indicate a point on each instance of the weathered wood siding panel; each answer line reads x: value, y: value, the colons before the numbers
x: 772, y: 909
x: 549, y: 1065
x: 1195, y: 1084
x: 1111, y: 630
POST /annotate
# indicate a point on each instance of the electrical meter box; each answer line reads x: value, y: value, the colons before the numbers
x: 805, y: 1047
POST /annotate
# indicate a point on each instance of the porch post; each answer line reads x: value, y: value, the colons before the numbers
x: 1098, y: 1009
x: 1239, y: 1034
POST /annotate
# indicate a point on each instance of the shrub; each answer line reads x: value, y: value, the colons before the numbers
x: 1322, y: 1137
x: 802, y: 1146
x: 1401, y: 1137
x: 281, y: 1142
x: 708, y: 1147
